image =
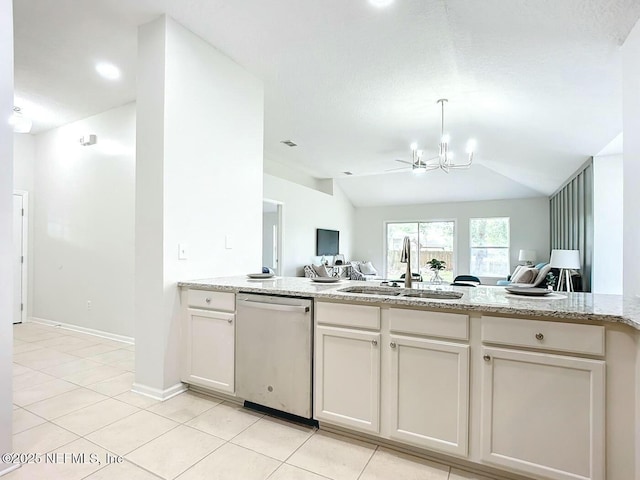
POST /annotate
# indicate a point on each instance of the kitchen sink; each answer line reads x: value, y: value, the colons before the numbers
x: 390, y: 291
x: 439, y: 294
x: 397, y: 292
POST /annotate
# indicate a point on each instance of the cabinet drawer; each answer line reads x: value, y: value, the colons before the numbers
x: 434, y: 324
x: 561, y: 337
x: 346, y: 315
x: 224, y: 301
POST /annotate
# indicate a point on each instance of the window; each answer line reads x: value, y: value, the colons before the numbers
x: 489, y: 247
x: 430, y: 239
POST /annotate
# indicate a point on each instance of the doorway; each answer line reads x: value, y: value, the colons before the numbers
x: 272, y: 235
x: 20, y: 231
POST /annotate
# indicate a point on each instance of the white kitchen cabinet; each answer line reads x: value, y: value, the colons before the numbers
x: 208, y: 339
x: 543, y: 414
x: 347, y: 377
x: 429, y: 397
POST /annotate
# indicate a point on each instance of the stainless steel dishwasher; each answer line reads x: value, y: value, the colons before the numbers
x: 274, y: 348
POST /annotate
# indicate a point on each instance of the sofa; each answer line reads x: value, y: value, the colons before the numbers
x: 538, y: 278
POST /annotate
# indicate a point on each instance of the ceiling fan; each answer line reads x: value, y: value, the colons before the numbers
x: 417, y: 163
x: 444, y: 159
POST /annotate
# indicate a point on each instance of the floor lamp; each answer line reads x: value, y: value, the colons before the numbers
x: 565, y: 260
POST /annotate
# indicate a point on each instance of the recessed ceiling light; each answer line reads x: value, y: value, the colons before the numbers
x: 108, y: 71
x: 380, y: 3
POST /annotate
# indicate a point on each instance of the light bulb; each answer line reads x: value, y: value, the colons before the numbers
x: 108, y: 71
x: 446, y: 138
x: 420, y: 153
x: 414, y: 146
x: 471, y: 146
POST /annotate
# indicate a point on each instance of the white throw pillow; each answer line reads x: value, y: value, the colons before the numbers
x: 525, y: 275
x: 367, y: 268
x: 320, y: 270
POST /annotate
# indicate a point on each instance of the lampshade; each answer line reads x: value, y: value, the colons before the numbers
x: 565, y: 259
x: 527, y: 256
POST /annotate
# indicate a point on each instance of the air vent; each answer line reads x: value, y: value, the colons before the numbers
x: 289, y: 143
x: 347, y: 173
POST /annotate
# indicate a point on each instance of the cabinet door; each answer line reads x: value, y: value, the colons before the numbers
x: 429, y: 382
x: 209, y: 349
x: 543, y: 414
x: 347, y: 378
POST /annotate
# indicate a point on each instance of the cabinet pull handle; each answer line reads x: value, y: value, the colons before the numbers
x: 392, y: 344
x: 374, y: 342
x: 486, y: 358
x: 539, y: 336
x: 230, y: 320
x: 208, y: 300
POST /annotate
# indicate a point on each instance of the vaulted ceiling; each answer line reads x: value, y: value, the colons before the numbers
x: 537, y: 84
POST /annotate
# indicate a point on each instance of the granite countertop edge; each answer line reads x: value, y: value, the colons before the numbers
x: 578, y: 306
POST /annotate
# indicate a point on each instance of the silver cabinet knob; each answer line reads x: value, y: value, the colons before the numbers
x: 230, y: 320
x: 208, y: 300
x: 374, y: 342
x: 539, y: 336
x: 392, y: 344
x: 486, y: 358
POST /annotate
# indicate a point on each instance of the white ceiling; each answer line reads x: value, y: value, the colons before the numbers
x: 537, y: 84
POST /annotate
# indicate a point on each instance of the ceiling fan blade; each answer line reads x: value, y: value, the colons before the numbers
x: 397, y: 169
x: 404, y: 161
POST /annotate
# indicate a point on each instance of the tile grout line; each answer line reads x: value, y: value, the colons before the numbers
x: 375, y: 450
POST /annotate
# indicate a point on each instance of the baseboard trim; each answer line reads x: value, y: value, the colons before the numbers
x: 485, y: 471
x: 9, y: 469
x: 88, y: 331
x: 158, y: 394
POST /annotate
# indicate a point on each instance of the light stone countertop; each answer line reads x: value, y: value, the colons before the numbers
x: 487, y: 299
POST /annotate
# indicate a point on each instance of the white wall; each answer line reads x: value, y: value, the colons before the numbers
x: 631, y: 159
x: 606, y: 272
x: 529, y: 222
x: 83, y: 216
x: 24, y: 156
x: 198, y: 182
x: 305, y: 210
x: 6, y: 221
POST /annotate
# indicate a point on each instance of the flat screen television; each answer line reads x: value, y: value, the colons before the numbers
x: 327, y: 241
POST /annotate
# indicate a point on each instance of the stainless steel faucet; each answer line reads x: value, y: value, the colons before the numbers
x: 405, y: 257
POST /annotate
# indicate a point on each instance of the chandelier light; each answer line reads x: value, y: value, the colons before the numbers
x: 444, y: 160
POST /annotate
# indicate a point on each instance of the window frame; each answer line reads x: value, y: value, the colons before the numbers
x: 508, y: 247
x: 385, y: 246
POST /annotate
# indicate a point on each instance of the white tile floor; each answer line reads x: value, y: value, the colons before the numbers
x: 72, y: 395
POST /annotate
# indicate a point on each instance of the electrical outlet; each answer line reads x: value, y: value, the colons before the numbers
x: 183, y: 251
x: 88, y: 304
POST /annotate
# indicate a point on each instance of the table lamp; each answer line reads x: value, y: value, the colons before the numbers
x: 565, y: 260
x: 527, y: 256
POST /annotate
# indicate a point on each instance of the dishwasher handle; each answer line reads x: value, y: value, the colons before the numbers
x: 275, y: 306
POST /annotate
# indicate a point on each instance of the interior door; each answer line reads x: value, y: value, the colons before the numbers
x: 17, y: 259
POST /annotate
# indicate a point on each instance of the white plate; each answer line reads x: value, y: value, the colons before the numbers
x: 325, y: 279
x: 259, y: 275
x: 551, y: 296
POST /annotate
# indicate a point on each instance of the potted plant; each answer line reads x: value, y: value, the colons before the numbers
x: 435, y: 266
